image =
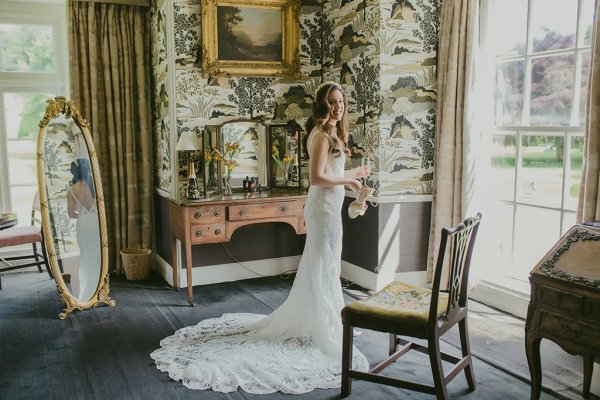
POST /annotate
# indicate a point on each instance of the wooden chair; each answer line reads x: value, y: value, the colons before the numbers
x: 20, y: 235
x: 407, y: 310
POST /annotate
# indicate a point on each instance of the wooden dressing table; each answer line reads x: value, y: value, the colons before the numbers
x: 565, y: 302
x: 215, y: 219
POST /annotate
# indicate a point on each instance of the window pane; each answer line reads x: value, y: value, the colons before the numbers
x: 511, y: 41
x: 540, y: 173
x: 585, y: 78
x: 26, y: 48
x: 503, y: 167
x: 497, y: 242
x: 21, y: 199
x: 509, y: 92
x: 536, y: 231
x: 553, y: 23
x: 569, y: 219
x: 552, y: 90
x: 21, y: 162
x: 585, y: 24
x: 574, y: 167
x: 23, y: 112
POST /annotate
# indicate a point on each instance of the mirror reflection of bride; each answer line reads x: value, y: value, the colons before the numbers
x: 81, y: 204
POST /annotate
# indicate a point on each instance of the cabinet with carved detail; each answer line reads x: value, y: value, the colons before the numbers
x: 215, y: 220
x: 565, y: 302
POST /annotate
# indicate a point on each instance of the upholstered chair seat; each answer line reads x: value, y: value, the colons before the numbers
x: 20, y: 235
x: 399, y: 306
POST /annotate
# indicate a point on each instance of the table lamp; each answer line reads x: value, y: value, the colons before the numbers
x: 191, y: 141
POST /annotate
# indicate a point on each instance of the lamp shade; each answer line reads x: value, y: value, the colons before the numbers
x: 189, y: 141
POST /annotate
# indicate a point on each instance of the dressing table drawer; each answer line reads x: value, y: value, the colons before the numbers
x: 264, y: 210
x: 207, y: 215
x: 213, y: 233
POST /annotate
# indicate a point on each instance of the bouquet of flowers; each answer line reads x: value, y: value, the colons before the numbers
x: 283, y: 163
x: 227, y: 157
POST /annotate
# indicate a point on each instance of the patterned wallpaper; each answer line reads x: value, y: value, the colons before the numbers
x: 381, y: 51
x: 160, y: 102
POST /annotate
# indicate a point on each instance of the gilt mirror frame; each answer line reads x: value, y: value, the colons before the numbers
x: 54, y: 109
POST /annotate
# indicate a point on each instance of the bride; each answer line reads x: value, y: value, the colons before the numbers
x: 297, y: 348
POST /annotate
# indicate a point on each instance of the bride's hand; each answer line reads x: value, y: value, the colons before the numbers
x: 355, y: 185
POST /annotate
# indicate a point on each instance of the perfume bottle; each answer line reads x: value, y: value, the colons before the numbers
x: 193, y: 191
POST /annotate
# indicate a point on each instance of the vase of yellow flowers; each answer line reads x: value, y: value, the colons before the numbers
x: 283, y: 164
x: 226, y: 158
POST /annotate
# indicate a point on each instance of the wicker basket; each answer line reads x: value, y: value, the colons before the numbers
x: 136, y: 263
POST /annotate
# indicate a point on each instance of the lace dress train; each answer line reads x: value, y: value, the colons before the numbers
x: 296, y: 348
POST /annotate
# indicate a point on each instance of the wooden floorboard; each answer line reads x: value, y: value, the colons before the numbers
x: 103, y: 353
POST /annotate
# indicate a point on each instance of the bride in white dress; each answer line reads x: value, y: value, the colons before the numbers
x: 81, y: 204
x: 296, y: 348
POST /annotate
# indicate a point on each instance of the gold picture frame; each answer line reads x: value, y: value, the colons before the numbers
x: 236, y: 43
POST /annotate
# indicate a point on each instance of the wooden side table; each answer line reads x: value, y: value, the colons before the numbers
x: 565, y: 303
x: 215, y: 220
x: 9, y: 221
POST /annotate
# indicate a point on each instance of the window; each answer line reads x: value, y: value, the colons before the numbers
x: 541, y: 55
x: 33, y: 68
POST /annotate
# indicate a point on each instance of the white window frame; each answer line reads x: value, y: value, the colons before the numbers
x: 42, y: 12
x: 503, y: 291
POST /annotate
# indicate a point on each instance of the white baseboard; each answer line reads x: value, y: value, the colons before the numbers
x: 358, y: 275
x: 501, y: 297
x: 275, y: 266
x: 229, y: 272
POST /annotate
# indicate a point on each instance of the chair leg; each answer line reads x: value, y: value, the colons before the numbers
x: 466, y: 351
x: 347, y: 340
x: 393, y: 344
x: 436, y: 368
x: 37, y: 258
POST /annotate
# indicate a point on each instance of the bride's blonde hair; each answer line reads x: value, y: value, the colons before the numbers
x: 320, y: 115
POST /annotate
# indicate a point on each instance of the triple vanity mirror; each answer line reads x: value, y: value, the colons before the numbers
x: 72, y: 206
x: 271, y: 154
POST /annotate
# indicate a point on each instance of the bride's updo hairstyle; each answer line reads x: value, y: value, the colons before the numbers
x: 320, y: 115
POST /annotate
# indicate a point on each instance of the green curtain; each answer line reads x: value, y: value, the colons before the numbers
x: 110, y: 82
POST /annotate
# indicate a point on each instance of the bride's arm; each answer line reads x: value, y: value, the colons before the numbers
x: 318, y: 162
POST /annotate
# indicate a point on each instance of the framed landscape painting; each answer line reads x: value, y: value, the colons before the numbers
x: 250, y: 38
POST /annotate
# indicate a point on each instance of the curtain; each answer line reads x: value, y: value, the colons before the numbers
x: 110, y: 82
x: 455, y: 136
x: 589, y: 202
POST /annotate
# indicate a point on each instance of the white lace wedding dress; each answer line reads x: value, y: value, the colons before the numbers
x: 296, y: 348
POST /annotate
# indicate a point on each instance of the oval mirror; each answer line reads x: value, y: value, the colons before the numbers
x: 72, y: 207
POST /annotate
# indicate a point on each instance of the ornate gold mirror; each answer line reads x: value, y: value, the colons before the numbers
x: 72, y: 207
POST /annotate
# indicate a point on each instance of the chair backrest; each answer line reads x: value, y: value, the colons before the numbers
x: 36, y: 217
x: 456, y: 246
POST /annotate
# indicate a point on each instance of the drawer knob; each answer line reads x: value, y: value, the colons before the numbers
x: 217, y: 231
x: 198, y: 233
x: 284, y: 208
x: 217, y: 213
x: 197, y: 214
x: 243, y: 212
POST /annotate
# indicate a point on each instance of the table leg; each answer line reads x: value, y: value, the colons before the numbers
x: 532, y: 349
x: 188, y: 267
x: 588, y: 368
x: 174, y: 263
